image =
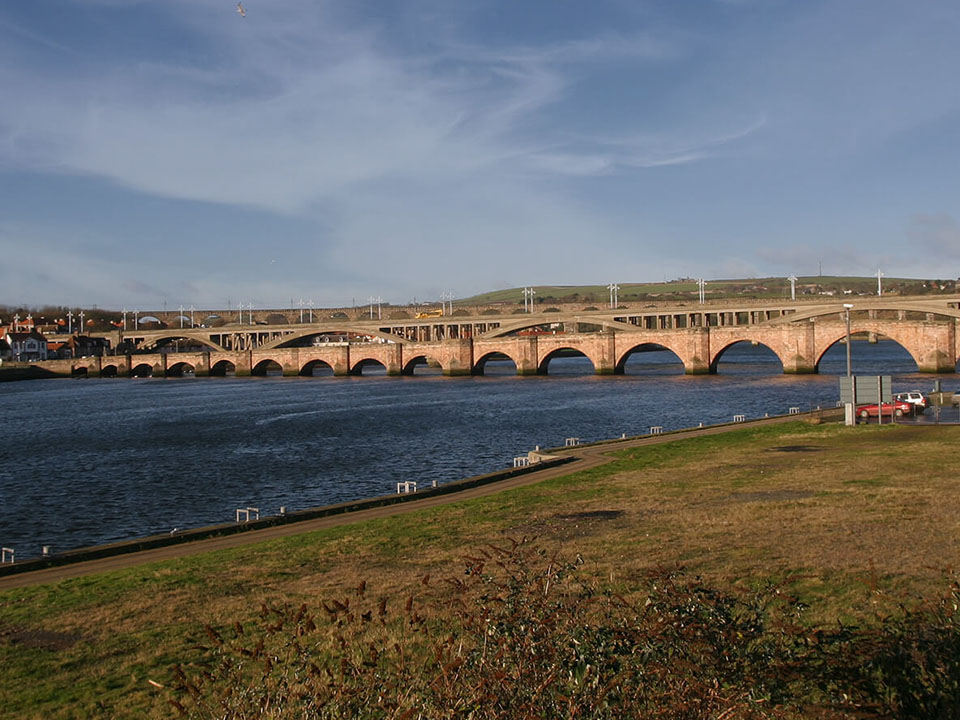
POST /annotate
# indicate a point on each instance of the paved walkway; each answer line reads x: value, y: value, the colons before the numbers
x: 588, y: 456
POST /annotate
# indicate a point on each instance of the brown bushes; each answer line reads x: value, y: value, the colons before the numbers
x: 520, y: 634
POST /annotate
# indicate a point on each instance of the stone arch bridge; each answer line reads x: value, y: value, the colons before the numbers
x: 699, y: 336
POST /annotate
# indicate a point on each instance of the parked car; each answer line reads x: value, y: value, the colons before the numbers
x: 898, y: 408
x: 915, y: 398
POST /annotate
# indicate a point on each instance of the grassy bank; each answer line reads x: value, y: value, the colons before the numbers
x: 850, y: 521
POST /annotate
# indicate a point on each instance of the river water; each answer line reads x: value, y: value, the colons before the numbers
x: 85, y: 462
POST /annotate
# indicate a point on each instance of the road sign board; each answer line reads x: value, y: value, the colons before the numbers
x: 870, y: 389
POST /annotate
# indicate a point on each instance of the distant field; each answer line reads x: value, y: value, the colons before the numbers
x: 754, y: 287
x: 834, y: 514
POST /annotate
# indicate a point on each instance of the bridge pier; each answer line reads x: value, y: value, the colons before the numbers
x: 696, y: 359
x: 457, y: 357
x: 605, y: 355
x: 243, y: 367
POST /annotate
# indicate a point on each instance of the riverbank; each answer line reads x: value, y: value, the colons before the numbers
x: 828, y: 512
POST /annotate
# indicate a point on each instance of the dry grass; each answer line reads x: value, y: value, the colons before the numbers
x: 850, y: 516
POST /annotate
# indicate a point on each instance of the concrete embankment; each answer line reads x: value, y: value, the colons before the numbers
x: 552, y: 463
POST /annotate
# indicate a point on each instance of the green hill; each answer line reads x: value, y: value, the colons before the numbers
x: 685, y: 288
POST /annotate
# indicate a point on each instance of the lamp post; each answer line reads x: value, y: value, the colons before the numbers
x: 370, y: 300
x: 793, y: 287
x: 701, y: 284
x: 310, y: 302
x: 80, y: 329
x: 69, y: 322
x: 240, y: 313
x: 181, y: 317
x: 847, y: 307
x: 124, y: 319
x: 879, y: 286
x: 850, y: 412
x: 192, y: 323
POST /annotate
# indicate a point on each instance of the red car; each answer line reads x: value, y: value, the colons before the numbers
x: 898, y: 408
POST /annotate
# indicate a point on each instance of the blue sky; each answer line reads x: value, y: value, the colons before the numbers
x: 174, y: 151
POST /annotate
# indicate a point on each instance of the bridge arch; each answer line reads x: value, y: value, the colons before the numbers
x: 316, y: 367
x: 109, y: 371
x: 143, y: 320
x: 222, y: 367
x: 180, y: 369
x: 409, y: 366
x: 480, y: 364
x: 543, y: 362
x: 154, y: 341
x: 368, y: 363
x: 142, y: 370
x: 771, y: 353
x: 648, y: 347
x: 857, y: 331
x: 267, y: 367
x: 332, y: 329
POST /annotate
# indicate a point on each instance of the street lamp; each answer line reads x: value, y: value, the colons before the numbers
x: 847, y: 307
x: 181, y: 317
x: 701, y: 284
x: 850, y: 410
x: 793, y: 286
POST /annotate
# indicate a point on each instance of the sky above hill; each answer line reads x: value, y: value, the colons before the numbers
x: 180, y: 152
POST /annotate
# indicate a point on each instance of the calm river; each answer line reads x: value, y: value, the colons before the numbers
x: 86, y: 462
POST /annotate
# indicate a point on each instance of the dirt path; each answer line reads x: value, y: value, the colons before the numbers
x: 587, y: 457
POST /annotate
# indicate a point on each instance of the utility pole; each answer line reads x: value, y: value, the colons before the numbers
x: 613, y: 288
x: 528, y: 292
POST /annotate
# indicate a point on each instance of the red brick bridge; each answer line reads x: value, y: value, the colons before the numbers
x: 798, y: 335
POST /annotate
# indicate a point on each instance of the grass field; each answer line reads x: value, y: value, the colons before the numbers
x: 851, y: 520
x: 771, y: 287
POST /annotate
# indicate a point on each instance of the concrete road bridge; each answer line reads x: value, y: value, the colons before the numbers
x: 797, y: 333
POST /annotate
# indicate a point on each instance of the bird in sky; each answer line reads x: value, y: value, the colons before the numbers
x: 243, y: 13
